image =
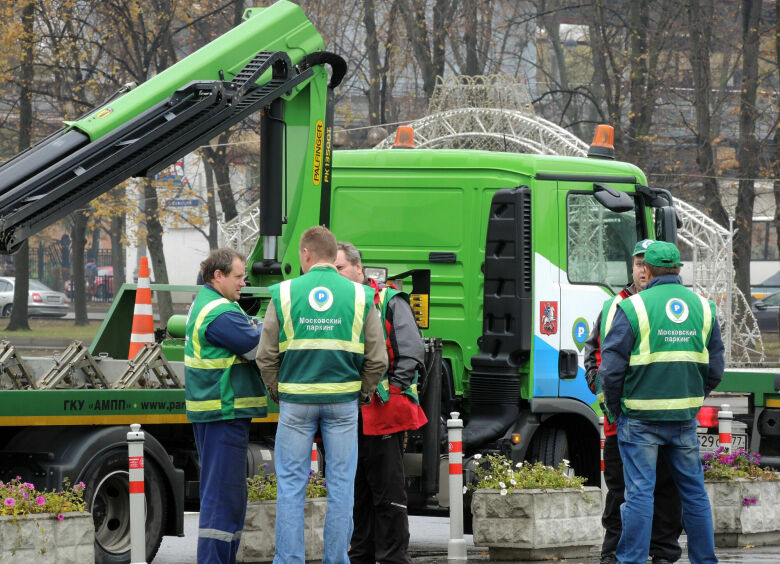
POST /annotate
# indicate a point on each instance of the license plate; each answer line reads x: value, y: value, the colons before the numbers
x: 708, y: 442
x: 53, y: 299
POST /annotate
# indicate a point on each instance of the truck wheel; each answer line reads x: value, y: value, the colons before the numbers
x: 549, y: 446
x: 107, y: 494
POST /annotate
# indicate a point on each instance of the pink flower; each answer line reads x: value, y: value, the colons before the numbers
x: 10, y: 502
x: 28, y: 485
x: 60, y: 516
x: 40, y: 500
x: 26, y: 495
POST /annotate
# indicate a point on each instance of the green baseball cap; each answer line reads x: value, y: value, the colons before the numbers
x: 641, y: 247
x: 661, y: 253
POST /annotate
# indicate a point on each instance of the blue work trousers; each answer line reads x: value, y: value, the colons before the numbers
x: 294, y: 435
x: 222, y: 447
x: 639, y: 443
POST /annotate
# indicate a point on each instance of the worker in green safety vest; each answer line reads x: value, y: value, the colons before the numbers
x: 662, y: 356
x: 320, y: 352
x: 224, y: 392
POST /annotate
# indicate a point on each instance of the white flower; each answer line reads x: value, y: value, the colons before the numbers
x: 513, y: 482
x: 477, y: 456
x: 503, y: 492
x: 519, y: 465
x: 465, y: 489
x: 566, y: 462
x: 502, y: 485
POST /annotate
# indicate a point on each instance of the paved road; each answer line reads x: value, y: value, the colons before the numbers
x: 428, y: 545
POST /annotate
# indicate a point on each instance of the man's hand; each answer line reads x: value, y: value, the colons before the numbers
x: 364, y: 399
x: 273, y: 393
x: 590, y: 378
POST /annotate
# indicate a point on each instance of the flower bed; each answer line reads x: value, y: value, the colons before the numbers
x: 745, y: 499
x: 258, y: 541
x: 534, y: 512
x: 44, y: 527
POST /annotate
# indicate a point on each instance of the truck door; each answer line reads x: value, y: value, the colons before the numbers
x: 595, y: 249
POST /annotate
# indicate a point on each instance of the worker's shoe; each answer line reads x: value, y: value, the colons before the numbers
x: 608, y: 559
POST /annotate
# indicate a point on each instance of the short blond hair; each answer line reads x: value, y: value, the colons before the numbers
x: 320, y: 242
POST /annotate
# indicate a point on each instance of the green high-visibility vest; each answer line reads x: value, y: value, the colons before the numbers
x: 608, y: 311
x: 321, y: 319
x: 669, y: 363
x: 219, y: 384
x: 383, y: 389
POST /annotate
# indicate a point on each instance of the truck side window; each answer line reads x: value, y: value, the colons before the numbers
x: 599, y: 242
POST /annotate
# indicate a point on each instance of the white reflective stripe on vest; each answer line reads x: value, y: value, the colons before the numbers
x: 323, y: 345
x: 611, y: 314
x: 319, y: 388
x: 199, y: 321
x: 670, y: 356
x: 663, y: 404
x: 284, y: 297
x: 360, y: 306
x: 707, y: 325
x: 644, y: 324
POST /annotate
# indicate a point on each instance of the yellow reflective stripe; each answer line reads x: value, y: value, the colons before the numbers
x: 611, y: 314
x: 707, y: 325
x: 360, y: 306
x: 204, y: 405
x: 670, y: 356
x: 644, y: 325
x: 658, y: 404
x: 321, y: 388
x: 413, y: 388
x: 284, y: 297
x: 199, y: 321
x: 385, y: 384
x: 322, y: 344
x: 212, y: 363
x: 245, y: 403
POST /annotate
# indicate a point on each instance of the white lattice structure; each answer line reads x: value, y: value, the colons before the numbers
x: 241, y: 232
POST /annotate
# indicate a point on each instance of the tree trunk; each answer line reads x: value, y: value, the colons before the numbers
x: 211, y: 206
x: 77, y: 276
x: 700, y: 21
x: 154, y: 240
x: 117, y: 251
x: 18, y: 320
x: 374, y: 66
x: 776, y: 148
x: 470, y: 38
x: 218, y: 161
x: 748, y: 144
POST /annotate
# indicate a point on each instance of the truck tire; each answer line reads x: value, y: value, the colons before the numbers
x: 107, y: 496
x: 549, y: 446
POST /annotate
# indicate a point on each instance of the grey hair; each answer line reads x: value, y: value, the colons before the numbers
x: 351, y: 253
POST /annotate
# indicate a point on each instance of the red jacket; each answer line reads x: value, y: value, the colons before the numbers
x: 399, y: 412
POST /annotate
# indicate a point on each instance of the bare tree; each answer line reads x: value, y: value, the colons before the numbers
x: 27, y: 74
x: 776, y: 140
x: 748, y: 143
x: 699, y: 14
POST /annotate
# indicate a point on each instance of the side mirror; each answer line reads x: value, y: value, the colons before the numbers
x: 612, y: 199
x: 666, y: 224
x: 759, y: 306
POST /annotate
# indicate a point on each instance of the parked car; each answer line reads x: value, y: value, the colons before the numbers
x: 42, y: 300
x: 765, y: 311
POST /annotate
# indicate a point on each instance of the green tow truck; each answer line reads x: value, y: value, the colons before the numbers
x: 507, y: 257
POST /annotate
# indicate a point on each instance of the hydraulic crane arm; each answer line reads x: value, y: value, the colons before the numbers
x: 75, y: 165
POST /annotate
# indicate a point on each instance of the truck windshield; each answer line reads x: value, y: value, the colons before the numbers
x: 599, y: 242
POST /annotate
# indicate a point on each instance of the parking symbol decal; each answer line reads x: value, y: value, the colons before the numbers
x: 320, y: 298
x: 579, y: 332
x: 676, y: 310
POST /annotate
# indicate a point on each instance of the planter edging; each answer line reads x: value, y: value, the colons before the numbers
x: 736, y: 524
x: 44, y: 539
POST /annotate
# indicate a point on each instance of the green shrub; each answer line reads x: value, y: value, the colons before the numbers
x: 496, y: 472
x: 262, y: 486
